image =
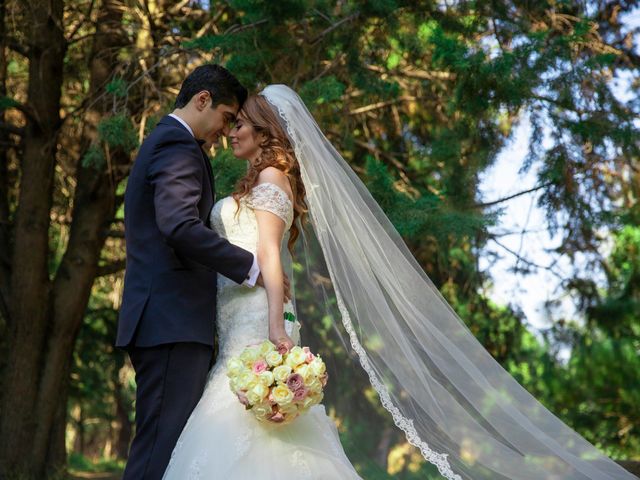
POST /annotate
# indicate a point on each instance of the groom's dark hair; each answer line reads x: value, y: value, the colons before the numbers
x: 218, y: 81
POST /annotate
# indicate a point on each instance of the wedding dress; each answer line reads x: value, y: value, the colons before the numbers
x: 223, y: 441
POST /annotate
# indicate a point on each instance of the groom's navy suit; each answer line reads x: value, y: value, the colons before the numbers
x: 167, y: 318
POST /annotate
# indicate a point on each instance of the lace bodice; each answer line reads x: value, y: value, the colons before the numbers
x: 240, y: 227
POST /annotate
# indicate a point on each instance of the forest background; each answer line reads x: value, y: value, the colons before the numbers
x: 419, y: 96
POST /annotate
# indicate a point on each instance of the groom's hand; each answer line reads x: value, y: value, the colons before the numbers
x: 286, y: 284
x: 287, y: 288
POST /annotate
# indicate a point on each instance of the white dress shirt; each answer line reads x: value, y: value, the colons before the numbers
x: 252, y: 276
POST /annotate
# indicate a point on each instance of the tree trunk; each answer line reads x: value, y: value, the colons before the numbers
x: 94, y: 208
x: 4, y: 184
x: 48, y: 315
x: 29, y: 303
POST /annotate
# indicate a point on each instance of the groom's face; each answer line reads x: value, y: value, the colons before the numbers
x: 215, y: 121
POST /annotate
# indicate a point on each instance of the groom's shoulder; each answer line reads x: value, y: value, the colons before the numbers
x: 168, y: 130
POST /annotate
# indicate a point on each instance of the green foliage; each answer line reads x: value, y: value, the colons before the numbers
x: 7, y: 103
x: 117, y: 131
x: 323, y: 90
x: 94, y: 158
x: 227, y: 170
x: 117, y: 87
x: 80, y: 463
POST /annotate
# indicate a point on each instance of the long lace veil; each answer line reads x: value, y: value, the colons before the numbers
x: 453, y: 401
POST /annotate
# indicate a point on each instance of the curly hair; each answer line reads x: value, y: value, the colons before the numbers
x: 276, y: 152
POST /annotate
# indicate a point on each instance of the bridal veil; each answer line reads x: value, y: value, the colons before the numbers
x: 454, y: 402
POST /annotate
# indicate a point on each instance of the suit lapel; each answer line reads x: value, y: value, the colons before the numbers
x: 168, y: 119
x: 209, y: 171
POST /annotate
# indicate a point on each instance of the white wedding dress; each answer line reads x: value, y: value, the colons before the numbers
x: 223, y: 441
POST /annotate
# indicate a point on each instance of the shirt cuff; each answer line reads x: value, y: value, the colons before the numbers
x: 252, y: 276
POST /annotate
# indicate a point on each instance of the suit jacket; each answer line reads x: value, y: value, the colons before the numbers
x: 172, y: 254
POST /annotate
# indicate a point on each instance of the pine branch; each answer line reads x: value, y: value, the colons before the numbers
x: 233, y: 29
x: 378, y: 105
x: 330, y: 29
x: 412, y: 72
x: 510, y: 197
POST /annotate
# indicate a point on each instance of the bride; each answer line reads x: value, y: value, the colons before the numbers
x: 465, y: 414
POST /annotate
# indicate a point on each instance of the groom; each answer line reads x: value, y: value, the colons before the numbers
x: 167, y: 318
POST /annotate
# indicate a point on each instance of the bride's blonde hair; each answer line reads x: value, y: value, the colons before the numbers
x: 276, y: 152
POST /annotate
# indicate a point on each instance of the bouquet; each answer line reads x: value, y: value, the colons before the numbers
x: 275, y: 384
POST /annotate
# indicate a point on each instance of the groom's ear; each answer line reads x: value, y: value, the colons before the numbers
x: 202, y: 100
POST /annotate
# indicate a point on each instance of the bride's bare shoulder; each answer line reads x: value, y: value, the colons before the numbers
x: 277, y: 177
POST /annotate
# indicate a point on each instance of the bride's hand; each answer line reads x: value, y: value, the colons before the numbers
x: 281, y: 338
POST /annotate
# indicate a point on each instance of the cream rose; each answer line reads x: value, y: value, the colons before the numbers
x: 296, y: 356
x: 246, y: 380
x: 234, y: 367
x: 257, y: 393
x: 314, y: 385
x: 266, y: 347
x: 308, y: 402
x: 305, y: 372
x: 262, y: 411
x: 317, y: 366
x: 289, y: 409
x: 250, y: 355
x: 282, y: 395
x: 273, y: 358
x: 266, y: 378
x: 281, y: 373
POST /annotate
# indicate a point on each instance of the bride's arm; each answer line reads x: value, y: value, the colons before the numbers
x: 270, y: 233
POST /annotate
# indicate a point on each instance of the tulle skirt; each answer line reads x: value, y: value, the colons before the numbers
x: 223, y: 441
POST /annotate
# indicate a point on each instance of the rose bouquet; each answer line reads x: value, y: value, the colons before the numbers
x: 275, y: 384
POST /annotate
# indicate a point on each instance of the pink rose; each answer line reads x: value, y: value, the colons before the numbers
x: 295, y: 382
x: 310, y: 356
x: 259, y: 367
x: 282, y: 348
x: 323, y: 379
x: 243, y: 398
x: 277, y: 418
x: 300, y: 394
